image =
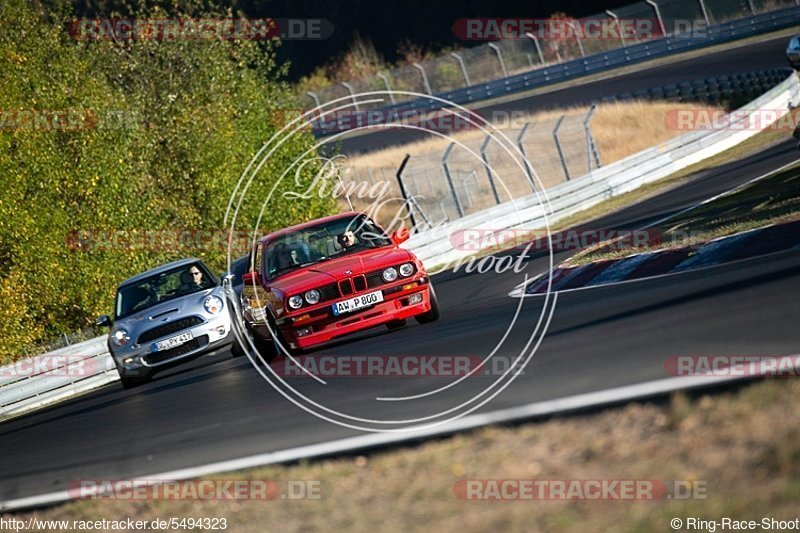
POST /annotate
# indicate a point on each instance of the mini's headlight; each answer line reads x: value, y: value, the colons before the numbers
x: 296, y: 301
x: 213, y: 304
x: 390, y: 274
x: 406, y: 269
x: 120, y: 337
x: 312, y: 296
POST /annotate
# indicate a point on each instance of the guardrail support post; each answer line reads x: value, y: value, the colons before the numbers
x: 528, y: 165
x: 619, y: 27
x: 558, y: 147
x: 533, y: 38
x: 488, y: 168
x: 502, y: 62
x: 446, y: 169
x: 385, y: 78
x: 424, y: 75
x: 463, y: 67
x: 658, y: 16
x: 591, y: 147
x: 352, y: 94
x: 404, y: 192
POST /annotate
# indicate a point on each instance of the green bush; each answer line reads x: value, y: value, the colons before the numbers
x: 193, y: 115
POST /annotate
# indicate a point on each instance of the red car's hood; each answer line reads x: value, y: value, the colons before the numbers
x: 320, y: 274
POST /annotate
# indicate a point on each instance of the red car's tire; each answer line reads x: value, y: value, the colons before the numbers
x: 433, y: 314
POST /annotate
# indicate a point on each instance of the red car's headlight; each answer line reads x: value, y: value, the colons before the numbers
x: 295, y: 302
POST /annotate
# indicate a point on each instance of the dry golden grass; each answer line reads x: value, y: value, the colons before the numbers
x: 620, y: 129
x: 731, y: 441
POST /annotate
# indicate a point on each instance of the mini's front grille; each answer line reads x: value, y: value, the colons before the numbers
x: 170, y: 327
x: 159, y: 357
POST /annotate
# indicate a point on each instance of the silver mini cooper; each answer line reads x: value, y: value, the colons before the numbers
x: 164, y: 317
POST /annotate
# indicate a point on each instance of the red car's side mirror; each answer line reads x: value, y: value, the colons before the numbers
x: 400, y: 236
x: 251, y: 278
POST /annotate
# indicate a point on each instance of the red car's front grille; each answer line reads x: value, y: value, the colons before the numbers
x: 351, y: 285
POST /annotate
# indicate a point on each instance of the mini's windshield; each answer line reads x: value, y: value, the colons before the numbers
x: 163, y: 287
x: 320, y: 243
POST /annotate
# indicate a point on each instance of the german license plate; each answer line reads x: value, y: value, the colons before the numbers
x: 359, y: 302
x: 172, y: 342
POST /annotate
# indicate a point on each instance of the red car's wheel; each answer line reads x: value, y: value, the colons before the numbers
x: 433, y: 314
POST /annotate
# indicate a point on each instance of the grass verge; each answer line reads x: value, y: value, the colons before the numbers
x: 750, y: 466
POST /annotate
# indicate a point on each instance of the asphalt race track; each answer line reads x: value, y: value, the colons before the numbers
x: 761, y: 55
x: 219, y: 408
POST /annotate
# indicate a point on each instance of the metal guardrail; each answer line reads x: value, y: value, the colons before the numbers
x: 530, y: 212
x: 31, y: 383
x: 596, y: 63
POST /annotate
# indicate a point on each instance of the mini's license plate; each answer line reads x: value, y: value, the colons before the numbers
x: 172, y: 342
x: 359, y: 302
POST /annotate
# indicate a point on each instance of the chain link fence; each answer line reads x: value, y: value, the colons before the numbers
x: 487, y: 62
x: 476, y: 171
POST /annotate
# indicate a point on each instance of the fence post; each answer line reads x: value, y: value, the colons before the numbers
x: 705, y: 12
x: 577, y: 39
x: 385, y: 79
x: 658, y: 16
x: 558, y: 147
x: 533, y: 38
x: 463, y: 67
x: 488, y: 168
x: 424, y: 75
x: 403, y: 190
x: 314, y: 97
x: 448, y: 177
x: 591, y: 146
x: 352, y: 94
x: 619, y: 27
x: 528, y: 164
x: 500, y: 58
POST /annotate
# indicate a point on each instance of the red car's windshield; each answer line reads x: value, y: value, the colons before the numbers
x: 323, y: 242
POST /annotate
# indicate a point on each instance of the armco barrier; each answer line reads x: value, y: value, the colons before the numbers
x: 435, y: 247
x: 21, y: 394
x: 24, y: 387
x: 629, y: 55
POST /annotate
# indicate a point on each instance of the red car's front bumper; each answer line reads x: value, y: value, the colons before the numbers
x: 314, y: 330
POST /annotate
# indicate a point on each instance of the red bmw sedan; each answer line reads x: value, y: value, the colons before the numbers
x: 331, y: 277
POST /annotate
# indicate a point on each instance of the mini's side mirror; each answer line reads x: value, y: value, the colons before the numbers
x: 103, y: 321
x: 251, y: 279
x: 400, y: 236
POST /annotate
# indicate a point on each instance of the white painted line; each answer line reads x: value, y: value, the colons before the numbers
x: 361, y: 442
